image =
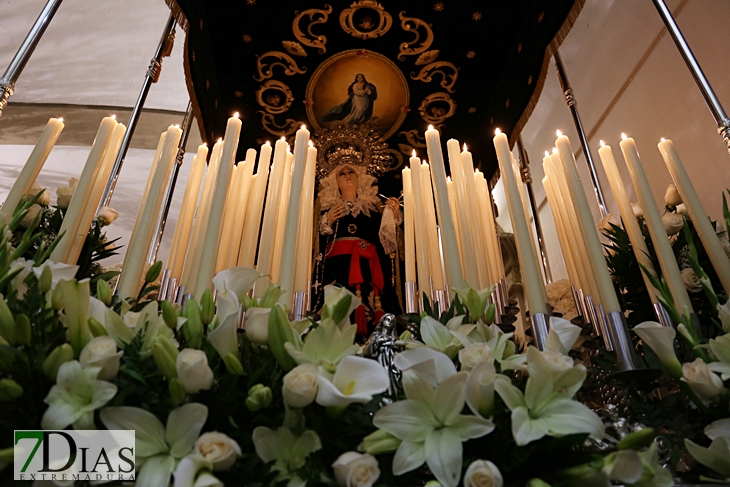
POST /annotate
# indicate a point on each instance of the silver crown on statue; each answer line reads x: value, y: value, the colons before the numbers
x: 351, y: 146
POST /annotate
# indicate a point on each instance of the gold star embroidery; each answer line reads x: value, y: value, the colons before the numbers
x: 207, y: 84
x: 540, y: 17
x: 470, y: 54
x: 247, y: 38
x: 251, y: 2
x: 506, y: 104
x: 519, y: 48
x: 473, y: 110
x: 529, y: 80
x: 238, y: 93
x: 476, y: 16
x: 438, y: 6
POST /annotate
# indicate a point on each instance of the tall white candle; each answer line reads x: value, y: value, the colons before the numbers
x: 696, y: 212
x: 529, y: 266
x: 288, y: 249
x: 229, y: 212
x: 667, y: 262
x: 32, y: 166
x: 568, y: 256
x: 236, y: 235
x: 139, y: 242
x: 206, y: 270
x: 432, y: 236
x: 631, y: 225
x: 480, y: 248
x: 252, y: 222
x: 594, y: 248
x: 181, y: 237
x: 80, y: 199
x: 306, y: 224
x: 282, y: 207
x: 454, y: 276
x: 487, y: 228
x: 423, y: 259
x: 408, y: 227
x: 455, y: 219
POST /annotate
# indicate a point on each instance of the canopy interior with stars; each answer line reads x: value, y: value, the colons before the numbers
x: 464, y: 67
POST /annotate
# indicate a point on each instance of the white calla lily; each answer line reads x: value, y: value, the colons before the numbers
x: 332, y: 296
x: 59, y: 272
x: 357, y: 379
x: 661, y: 340
x: 720, y: 348
x: 194, y: 471
x: 288, y: 450
x: 431, y: 426
x: 717, y: 455
x: 236, y: 280
x: 480, y: 389
x: 562, y: 335
x: 158, y: 448
x: 257, y: 325
x: 223, y: 338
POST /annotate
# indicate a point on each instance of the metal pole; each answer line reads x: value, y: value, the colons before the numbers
x: 162, y: 219
x: 723, y: 122
x: 571, y: 101
x: 7, y: 82
x: 527, y: 179
x: 153, y: 74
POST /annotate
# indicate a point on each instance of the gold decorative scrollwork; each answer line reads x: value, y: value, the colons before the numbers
x: 396, y: 161
x: 279, y: 98
x: 312, y: 40
x: 435, y: 115
x: 414, y: 138
x: 406, y: 48
x: 448, y: 80
x: 294, y: 48
x: 287, y: 128
x: 266, y: 70
x: 367, y: 28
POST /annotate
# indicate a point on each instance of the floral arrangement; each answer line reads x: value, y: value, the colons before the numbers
x: 452, y: 400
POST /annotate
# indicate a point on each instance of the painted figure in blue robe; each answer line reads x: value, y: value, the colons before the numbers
x: 358, y: 108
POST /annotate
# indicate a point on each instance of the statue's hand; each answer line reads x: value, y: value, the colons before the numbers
x: 394, y: 205
x: 335, y: 213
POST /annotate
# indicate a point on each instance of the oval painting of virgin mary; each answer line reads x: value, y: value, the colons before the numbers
x: 357, y: 88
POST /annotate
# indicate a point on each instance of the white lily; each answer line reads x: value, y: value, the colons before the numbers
x: 720, y: 347
x: 288, y: 450
x: 223, y: 337
x: 562, y: 335
x: 59, y: 272
x: 432, y: 366
x: 357, y: 379
x: 236, y: 280
x: 717, y: 455
x: 195, y: 471
x: 124, y: 329
x: 257, y: 325
x: 661, y: 340
x: 723, y: 311
x: 75, y: 397
x: 448, y: 338
x: 431, y: 426
x: 546, y: 407
x: 158, y: 448
x: 332, y: 297
x: 326, y: 345
x: 480, y: 389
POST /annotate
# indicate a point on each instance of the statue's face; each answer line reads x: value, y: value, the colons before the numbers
x: 359, y: 78
x: 346, y: 178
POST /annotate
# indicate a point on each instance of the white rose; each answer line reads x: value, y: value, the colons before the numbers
x: 353, y: 469
x: 63, y: 196
x: 218, y: 449
x: 605, y: 224
x: 474, y: 354
x: 681, y: 209
x: 257, y: 325
x: 671, y: 196
x: 43, y: 199
x: 33, y: 211
x: 706, y: 384
x: 102, y: 352
x: 691, y: 281
x: 300, y: 385
x: 673, y: 223
x: 483, y: 473
x: 638, y: 210
x: 107, y: 215
x: 193, y: 371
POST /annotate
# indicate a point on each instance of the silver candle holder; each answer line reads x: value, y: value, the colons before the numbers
x: 578, y: 302
x: 299, y: 306
x: 540, y: 326
x: 411, y: 301
x: 162, y: 293
x: 623, y: 346
x: 605, y: 328
x: 662, y: 315
x: 443, y: 304
x: 180, y: 294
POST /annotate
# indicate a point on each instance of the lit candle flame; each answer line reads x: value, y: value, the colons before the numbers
x: 558, y: 133
x: 114, y: 117
x: 555, y: 150
x: 430, y: 127
x: 547, y: 154
x: 303, y: 127
x: 448, y: 179
x: 235, y: 115
x: 465, y: 147
x: 603, y: 144
x: 311, y: 144
x: 60, y: 119
x: 663, y: 139
x: 220, y: 139
x: 413, y: 154
x: 623, y: 136
x: 268, y: 143
x: 497, y: 132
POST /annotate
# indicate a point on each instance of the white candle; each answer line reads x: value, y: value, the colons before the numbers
x: 455, y: 219
x: 529, y: 266
x: 229, y: 212
x: 423, y: 259
x: 282, y: 207
x: 588, y: 228
x: 268, y: 229
x: 452, y: 264
x: 631, y: 225
x: 252, y: 223
x: 32, y: 166
x: 288, y: 249
x: 667, y: 262
x: 306, y: 224
x: 696, y: 212
x: 139, y: 242
x: 181, y: 237
x: 408, y: 228
x: 432, y: 236
x: 487, y: 228
x: 562, y: 236
x: 80, y: 199
x: 206, y: 270
x: 480, y: 248
x: 241, y: 206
